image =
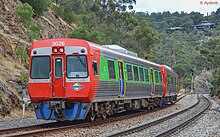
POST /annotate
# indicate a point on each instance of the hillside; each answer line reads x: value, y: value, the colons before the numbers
x: 12, y: 35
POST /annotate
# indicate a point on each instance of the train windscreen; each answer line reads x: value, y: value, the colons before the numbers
x: 40, y: 67
x: 76, y: 66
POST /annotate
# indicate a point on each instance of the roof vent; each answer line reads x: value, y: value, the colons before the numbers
x: 167, y: 67
x: 120, y: 49
x: 116, y: 48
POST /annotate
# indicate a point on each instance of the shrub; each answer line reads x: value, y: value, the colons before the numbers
x: 69, y: 17
x: 24, y: 78
x: 60, y: 11
x: 39, y: 6
x: 22, y: 55
x: 34, y: 32
x: 25, y: 13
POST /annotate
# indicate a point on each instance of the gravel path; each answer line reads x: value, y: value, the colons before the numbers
x: 206, y: 126
x: 109, y: 128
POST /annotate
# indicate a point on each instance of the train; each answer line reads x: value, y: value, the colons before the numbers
x: 74, y: 79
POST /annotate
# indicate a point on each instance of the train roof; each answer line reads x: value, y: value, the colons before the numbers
x: 122, y: 54
x: 80, y: 42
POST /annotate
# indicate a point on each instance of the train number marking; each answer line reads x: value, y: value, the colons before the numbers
x: 58, y: 43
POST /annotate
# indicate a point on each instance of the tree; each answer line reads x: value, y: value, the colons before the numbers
x: 145, y: 37
x: 83, y: 32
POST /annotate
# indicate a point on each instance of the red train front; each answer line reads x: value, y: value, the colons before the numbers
x: 59, y: 80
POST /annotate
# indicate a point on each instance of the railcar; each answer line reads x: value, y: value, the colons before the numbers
x: 73, y: 79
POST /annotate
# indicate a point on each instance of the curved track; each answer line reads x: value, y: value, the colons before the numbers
x: 40, y: 130
x: 202, y: 101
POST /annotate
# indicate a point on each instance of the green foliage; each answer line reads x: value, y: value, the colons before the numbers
x: 25, y: 13
x: 83, y: 32
x: 34, y: 32
x: 187, y: 82
x: 60, y: 11
x: 70, y: 17
x: 216, y: 80
x: 23, y: 56
x: 24, y: 78
x: 145, y: 37
x: 107, y: 22
x: 39, y: 6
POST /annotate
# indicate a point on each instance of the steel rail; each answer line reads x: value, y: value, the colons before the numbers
x: 153, y: 123
x: 187, y: 122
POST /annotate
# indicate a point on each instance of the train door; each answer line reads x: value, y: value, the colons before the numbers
x: 58, y: 76
x: 152, y: 81
x: 170, y: 82
x: 122, y: 82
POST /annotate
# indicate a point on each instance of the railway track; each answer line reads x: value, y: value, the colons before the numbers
x: 203, y: 104
x: 40, y: 130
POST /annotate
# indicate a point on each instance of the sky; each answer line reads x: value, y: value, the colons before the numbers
x: 202, y: 6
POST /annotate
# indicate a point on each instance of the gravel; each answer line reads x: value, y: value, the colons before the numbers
x: 155, y: 130
x: 21, y: 123
x: 206, y: 126
x: 109, y: 128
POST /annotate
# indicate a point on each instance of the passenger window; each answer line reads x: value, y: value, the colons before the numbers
x: 156, y: 76
x: 136, y: 78
x: 171, y: 80
x: 111, y: 69
x: 141, y: 74
x: 168, y: 80
x: 174, y: 81
x: 129, y: 72
x: 160, y: 77
x: 95, y: 67
x: 146, y: 75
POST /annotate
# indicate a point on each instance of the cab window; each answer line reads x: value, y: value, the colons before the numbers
x: 40, y: 67
x: 77, y: 67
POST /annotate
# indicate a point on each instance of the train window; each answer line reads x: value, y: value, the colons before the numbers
x: 146, y: 75
x: 111, y: 69
x: 156, y: 76
x: 76, y: 66
x: 174, y: 80
x: 58, y: 67
x: 141, y: 70
x: 136, y: 78
x: 129, y: 72
x: 40, y: 67
x: 171, y: 80
x: 168, y: 80
x: 95, y: 67
x: 160, y: 77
